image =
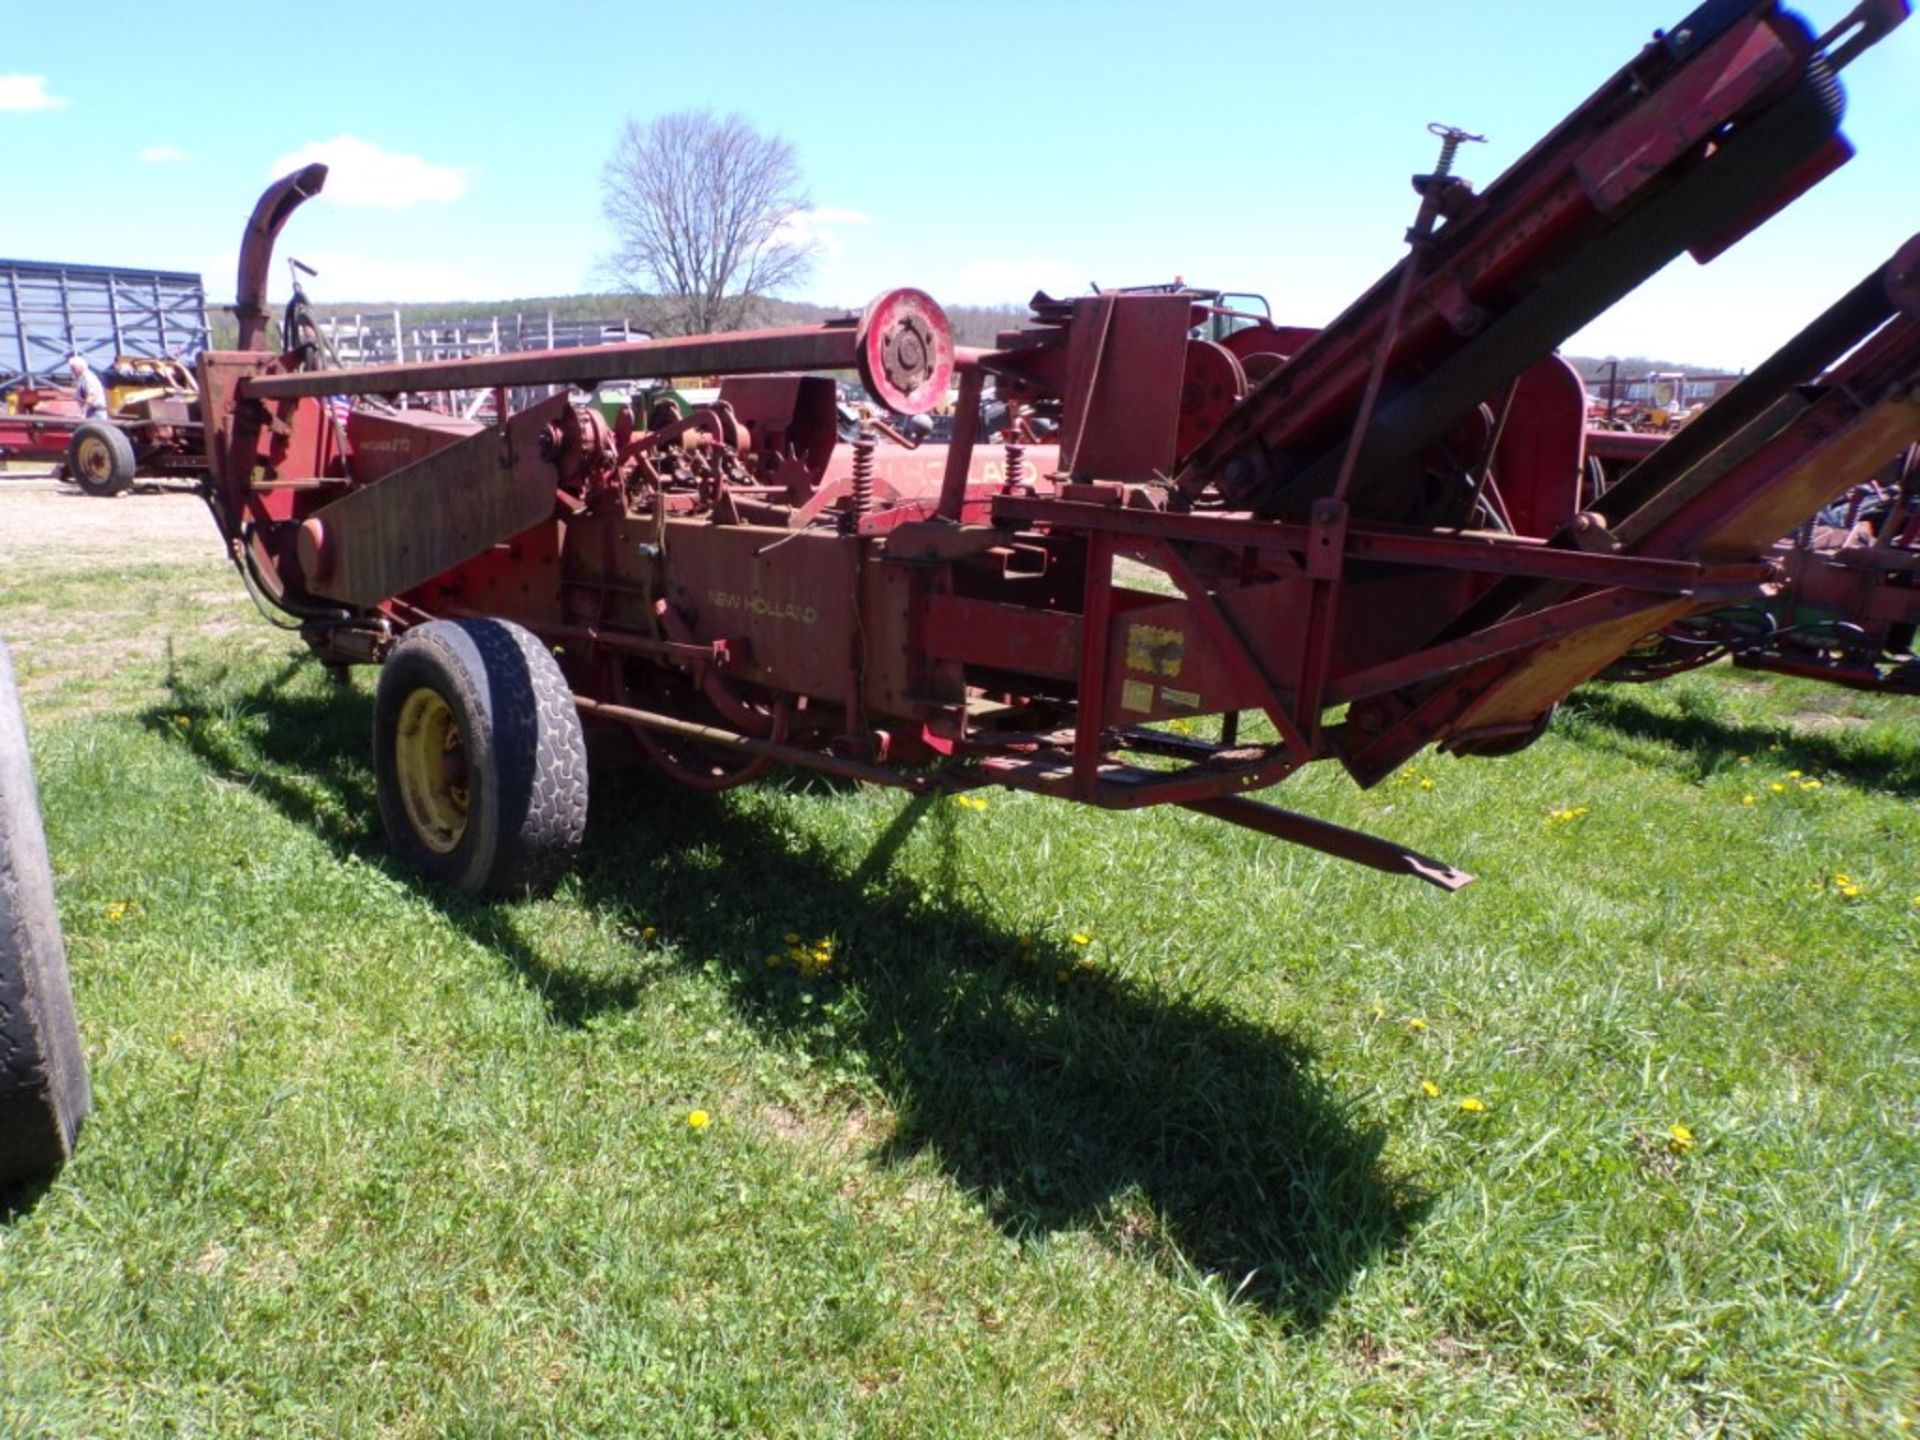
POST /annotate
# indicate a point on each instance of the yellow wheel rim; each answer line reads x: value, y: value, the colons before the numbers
x: 94, y: 457
x: 430, y: 762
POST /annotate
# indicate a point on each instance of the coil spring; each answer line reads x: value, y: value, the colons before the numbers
x: 1451, y: 138
x: 862, y: 497
x: 1016, y: 466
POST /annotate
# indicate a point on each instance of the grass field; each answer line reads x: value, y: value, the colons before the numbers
x: 1063, y: 1124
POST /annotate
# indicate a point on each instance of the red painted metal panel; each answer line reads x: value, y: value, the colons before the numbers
x: 1124, y: 366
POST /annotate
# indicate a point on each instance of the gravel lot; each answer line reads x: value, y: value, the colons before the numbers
x: 40, y: 517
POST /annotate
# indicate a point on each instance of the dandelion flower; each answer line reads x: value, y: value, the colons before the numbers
x: 1080, y: 939
x: 117, y: 911
x: 1426, y: 784
x: 1777, y: 788
x: 1679, y: 1139
x: 1473, y: 1105
x: 1795, y: 774
x: 648, y: 932
x: 1809, y: 784
x: 698, y: 1119
x: 1429, y: 1089
x: 1746, y: 799
x: 1416, y: 1023
x: 1843, y: 879
x: 1850, y: 892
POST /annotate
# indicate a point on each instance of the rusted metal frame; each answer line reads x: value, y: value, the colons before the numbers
x: 1325, y: 565
x: 966, y: 431
x: 1520, y: 633
x: 1483, y: 554
x: 1185, y: 787
x: 753, y: 352
x: 1097, y: 610
x: 1041, y: 762
x: 1168, y: 745
x: 1049, y: 770
x: 781, y: 754
x: 1242, y: 664
x: 1330, y: 839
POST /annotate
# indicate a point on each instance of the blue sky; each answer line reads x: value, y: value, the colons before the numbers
x: 977, y: 150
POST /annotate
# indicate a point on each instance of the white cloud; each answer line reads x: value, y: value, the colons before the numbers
x: 361, y: 173
x: 28, y: 92
x: 816, y: 227
x: 992, y: 282
x: 165, y: 155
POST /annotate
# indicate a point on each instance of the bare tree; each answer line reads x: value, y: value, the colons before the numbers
x: 703, y: 211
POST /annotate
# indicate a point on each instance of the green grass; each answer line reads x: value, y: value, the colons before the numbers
x: 367, y: 1160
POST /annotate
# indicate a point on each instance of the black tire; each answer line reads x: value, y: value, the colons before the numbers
x: 100, y: 459
x: 478, y: 757
x: 43, y: 1072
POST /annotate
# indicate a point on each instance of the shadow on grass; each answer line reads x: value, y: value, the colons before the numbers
x: 19, y: 1201
x: 1708, y: 742
x: 1175, y: 1132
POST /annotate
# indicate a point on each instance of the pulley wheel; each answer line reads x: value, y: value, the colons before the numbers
x: 1210, y: 386
x: 905, y: 346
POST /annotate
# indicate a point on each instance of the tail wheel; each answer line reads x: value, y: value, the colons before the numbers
x: 43, y: 1073
x: 100, y: 459
x: 479, y: 760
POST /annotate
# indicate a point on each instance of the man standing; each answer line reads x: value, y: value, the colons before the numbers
x: 88, y: 393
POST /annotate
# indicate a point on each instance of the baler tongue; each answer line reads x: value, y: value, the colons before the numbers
x: 1713, y: 127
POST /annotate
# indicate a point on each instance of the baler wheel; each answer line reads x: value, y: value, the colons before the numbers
x: 479, y: 760
x: 100, y: 460
x: 43, y: 1072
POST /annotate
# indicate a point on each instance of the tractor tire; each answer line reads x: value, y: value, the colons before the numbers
x: 100, y: 459
x: 479, y: 760
x: 43, y: 1072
